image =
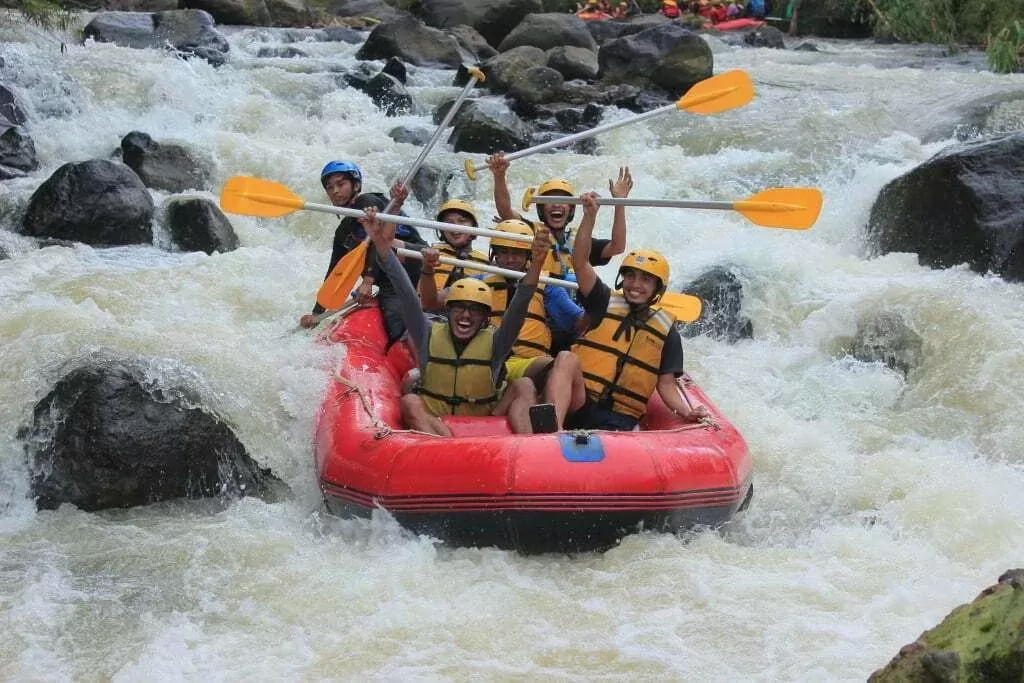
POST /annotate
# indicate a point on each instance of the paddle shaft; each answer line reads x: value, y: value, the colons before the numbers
x: 408, y: 220
x: 486, y: 268
x: 628, y: 201
x: 583, y: 135
x: 452, y: 110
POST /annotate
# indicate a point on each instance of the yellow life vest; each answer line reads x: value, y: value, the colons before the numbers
x: 443, y: 274
x: 454, y: 384
x: 621, y: 374
x: 559, y: 259
x: 535, y: 336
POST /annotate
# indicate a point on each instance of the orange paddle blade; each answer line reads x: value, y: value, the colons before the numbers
x: 258, y: 197
x: 685, y: 307
x: 794, y: 208
x: 728, y: 90
x: 343, y: 278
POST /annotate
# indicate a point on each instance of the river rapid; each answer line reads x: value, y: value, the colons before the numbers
x: 881, y: 501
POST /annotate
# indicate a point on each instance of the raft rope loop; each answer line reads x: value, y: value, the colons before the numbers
x: 383, y: 430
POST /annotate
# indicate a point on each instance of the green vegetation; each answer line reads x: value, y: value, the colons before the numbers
x: 43, y: 13
x: 1005, y: 49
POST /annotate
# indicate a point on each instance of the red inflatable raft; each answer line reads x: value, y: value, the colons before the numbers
x: 565, y: 492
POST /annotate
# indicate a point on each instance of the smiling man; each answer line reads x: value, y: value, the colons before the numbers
x: 462, y: 361
x: 630, y: 349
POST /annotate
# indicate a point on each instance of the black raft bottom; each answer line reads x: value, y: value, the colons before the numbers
x: 533, y: 532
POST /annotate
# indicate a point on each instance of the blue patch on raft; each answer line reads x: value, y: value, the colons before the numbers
x: 590, y: 450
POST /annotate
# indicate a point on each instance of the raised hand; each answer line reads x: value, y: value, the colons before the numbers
x: 497, y: 163
x: 622, y: 186
x: 590, y: 204
x: 431, y: 260
x: 382, y: 234
x: 399, y: 193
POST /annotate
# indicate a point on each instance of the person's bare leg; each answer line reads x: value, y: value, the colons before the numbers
x: 565, y: 388
x: 524, y: 395
x: 416, y: 416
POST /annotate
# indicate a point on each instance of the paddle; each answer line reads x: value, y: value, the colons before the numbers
x: 792, y: 208
x: 728, y: 90
x: 477, y: 76
x: 685, y: 307
x: 267, y: 199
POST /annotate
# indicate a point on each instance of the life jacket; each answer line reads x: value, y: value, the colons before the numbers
x: 670, y: 9
x: 535, y: 336
x: 592, y: 15
x: 621, y: 373
x: 445, y: 273
x: 454, y: 384
x: 559, y: 260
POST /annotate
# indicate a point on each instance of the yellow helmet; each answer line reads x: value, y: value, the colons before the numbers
x: 458, y: 205
x: 556, y: 185
x: 515, y: 227
x: 648, y: 261
x: 561, y: 186
x: 470, y: 290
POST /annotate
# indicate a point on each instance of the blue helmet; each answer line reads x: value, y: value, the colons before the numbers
x: 341, y: 167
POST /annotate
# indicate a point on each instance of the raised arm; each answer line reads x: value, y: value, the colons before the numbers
x: 502, y: 199
x: 431, y: 299
x: 586, y: 276
x: 618, y: 188
x: 383, y: 237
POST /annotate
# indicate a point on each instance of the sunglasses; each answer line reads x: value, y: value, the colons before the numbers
x: 458, y: 308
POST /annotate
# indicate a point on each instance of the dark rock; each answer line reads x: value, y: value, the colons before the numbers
x: 765, y: 36
x: 187, y: 32
x: 807, y: 46
x: 886, y: 338
x: 17, y: 150
x: 98, y: 202
x: 603, y: 31
x: 502, y: 71
x: 411, y: 136
x: 573, y: 62
x: 197, y: 224
x: 389, y: 94
x: 395, y: 67
x: 284, y: 52
x: 472, y: 42
x: 10, y: 107
x: 165, y: 166
x: 105, y: 437
x: 492, y: 19
x: 536, y: 85
x: 487, y: 126
x: 668, y: 54
x: 427, y: 182
x: 722, y: 316
x: 233, y: 12
x: 413, y: 42
x: 548, y: 31
x: 964, y: 205
x: 374, y: 9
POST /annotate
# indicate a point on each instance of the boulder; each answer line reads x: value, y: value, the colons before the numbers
x: 411, y: 41
x: 722, y: 315
x: 418, y: 136
x: 603, y: 31
x: 472, y: 42
x: 17, y: 149
x: 166, y: 166
x: 536, y: 85
x: 547, y: 31
x: 488, y: 126
x: 765, y: 36
x: 668, y: 56
x: 106, y: 437
x: 388, y: 93
x: 377, y: 10
x: 187, y: 32
x: 197, y: 224
x: 886, y: 338
x: 573, y: 62
x: 98, y: 202
x: 502, y: 71
x: 980, y: 641
x: 492, y: 19
x: 233, y: 12
x: 964, y: 205
x: 10, y: 107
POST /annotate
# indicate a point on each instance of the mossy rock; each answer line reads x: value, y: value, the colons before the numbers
x: 978, y: 642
